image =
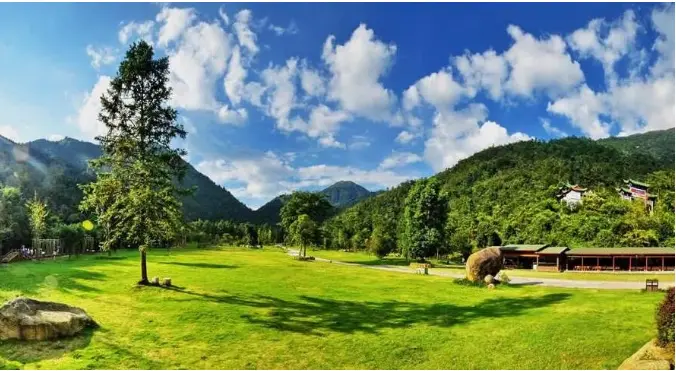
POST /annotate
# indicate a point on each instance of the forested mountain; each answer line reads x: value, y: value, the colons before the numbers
x: 54, y: 168
x: 507, y: 194
x: 659, y: 144
x: 345, y: 193
x: 340, y: 195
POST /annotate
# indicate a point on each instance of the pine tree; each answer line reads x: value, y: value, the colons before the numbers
x: 135, y: 195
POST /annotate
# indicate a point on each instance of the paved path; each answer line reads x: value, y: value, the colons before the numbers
x: 525, y: 281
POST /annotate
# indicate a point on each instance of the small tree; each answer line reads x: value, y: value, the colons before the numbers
x: 302, y: 232
x: 37, y: 216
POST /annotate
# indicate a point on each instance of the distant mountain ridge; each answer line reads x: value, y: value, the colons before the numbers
x: 341, y: 194
x: 54, y: 168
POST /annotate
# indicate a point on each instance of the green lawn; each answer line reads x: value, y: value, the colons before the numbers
x: 364, y: 258
x: 246, y: 309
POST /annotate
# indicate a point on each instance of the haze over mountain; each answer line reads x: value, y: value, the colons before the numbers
x: 54, y: 168
x: 341, y: 194
x: 50, y: 167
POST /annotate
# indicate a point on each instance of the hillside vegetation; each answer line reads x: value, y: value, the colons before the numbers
x: 53, y: 169
x: 507, y: 194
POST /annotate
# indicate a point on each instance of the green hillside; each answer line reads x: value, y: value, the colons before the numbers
x: 507, y: 194
x: 54, y: 168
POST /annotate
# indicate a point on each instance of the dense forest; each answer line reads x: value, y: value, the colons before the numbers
x: 507, y: 194
x: 504, y: 194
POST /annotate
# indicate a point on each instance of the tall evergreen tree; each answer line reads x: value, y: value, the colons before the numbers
x: 135, y: 195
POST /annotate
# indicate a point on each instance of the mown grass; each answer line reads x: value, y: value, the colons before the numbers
x: 368, y: 259
x: 259, y: 309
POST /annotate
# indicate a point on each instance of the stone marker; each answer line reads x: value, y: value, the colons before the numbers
x: 167, y: 281
x: 155, y: 281
x: 28, y: 319
x: 484, y: 262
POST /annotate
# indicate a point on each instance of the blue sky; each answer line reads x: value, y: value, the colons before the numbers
x: 279, y: 97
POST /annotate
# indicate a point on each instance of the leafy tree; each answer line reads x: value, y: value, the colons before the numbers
x: 311, y: 204
x: 302, y: 232
x: 250, y: 234
x: 37, y: 216
x: 424, y: 216
x: 138, y: 166
x: 13, y: 222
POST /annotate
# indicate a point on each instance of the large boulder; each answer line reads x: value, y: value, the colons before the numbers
x: 28, y: 319
x: 484, y: 262
x: 650, y: 357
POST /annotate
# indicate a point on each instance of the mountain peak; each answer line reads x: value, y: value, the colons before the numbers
x: 344, y: 183
x: 345, y: 193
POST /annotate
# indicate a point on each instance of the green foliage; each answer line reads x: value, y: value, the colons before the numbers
x: 424, y: 219
x: 314, y: 209
x: 507, y: 194
x: 665, y: 320
x: 37, y: 215
x: 135, y: 196
x: 314, y: 205
x: 303, y: 232
x: 13, y: 220
x: 71, y: 236
x: 382, y: 241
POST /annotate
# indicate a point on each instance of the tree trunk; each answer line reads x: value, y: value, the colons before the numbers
x: 304, y: 250
x: 144, y: 269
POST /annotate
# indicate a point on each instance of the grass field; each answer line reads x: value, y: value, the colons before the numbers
x: 367, y: 259
x: 247, y: 309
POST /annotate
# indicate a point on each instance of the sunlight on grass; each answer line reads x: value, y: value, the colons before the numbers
x: 367, y: 259
x: 241, y: 309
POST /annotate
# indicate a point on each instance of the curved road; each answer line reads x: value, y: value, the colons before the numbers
x: 531, y: 281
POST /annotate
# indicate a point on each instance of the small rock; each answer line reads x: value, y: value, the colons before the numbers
x: 489, y: 279
x: 155, y: 281
x: 167, y: 281
x: 491, y: 286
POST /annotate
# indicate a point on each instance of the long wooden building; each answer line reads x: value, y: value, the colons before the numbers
x: 561, y: 258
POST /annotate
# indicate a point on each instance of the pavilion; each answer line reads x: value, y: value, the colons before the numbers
x: 561, y: 258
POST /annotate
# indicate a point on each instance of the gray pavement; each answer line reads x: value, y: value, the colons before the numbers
x: 525, y: 281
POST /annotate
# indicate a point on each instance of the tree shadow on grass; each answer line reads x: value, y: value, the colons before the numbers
x: 34, y: 351
x: 315, y: 316
x: 386, y: 261
x: 30, y: 281
x: 201, y: 265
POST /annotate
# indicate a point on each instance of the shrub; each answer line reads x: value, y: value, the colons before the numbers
x: 466, y: 282
x: 665, y: 320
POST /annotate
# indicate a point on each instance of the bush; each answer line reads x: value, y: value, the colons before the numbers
x: 665, y: 320
x: 466, y: 282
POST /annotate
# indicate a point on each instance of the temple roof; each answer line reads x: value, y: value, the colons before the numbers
x: 637, y: 183
x: 628, y: 191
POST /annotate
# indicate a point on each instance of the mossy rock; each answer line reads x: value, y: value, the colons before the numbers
x: 649, y: 357
x: 484, y: 262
